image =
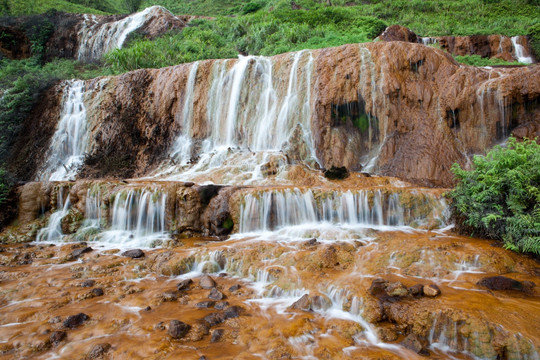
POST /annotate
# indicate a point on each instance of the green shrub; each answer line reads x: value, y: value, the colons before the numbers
x: 500, y: 197
x: 477, y: 60
x: 534, y: 38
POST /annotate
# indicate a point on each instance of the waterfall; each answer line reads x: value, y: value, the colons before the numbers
x: 248, y: 112
x: 137, y: 218
x: 96, y: 39
x: 53, y: 231
x: 519, y: 51
x: 275, y: 209
x: 68, y: 144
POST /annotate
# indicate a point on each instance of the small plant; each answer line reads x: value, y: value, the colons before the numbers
x: 500, y: 197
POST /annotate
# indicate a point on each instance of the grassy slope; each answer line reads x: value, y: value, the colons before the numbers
x: 29, y: 7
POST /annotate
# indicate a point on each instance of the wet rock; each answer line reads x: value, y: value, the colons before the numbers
x: 302, y: 304
x: 432, y: 290
x: 386, y: 334
x: 97, y: 292
x: 396, y: 289
x: 98, y: 351
x: 505, y: 283
x: 203, y: 358
x: 221, y: 305
x: 416, y: 343
x: 189, y: 184
x: 78, y: 252
x: 398, y: 33
x: 198, y: 331
x: 234, y: 288
x: 215, y: 294
x: 184, y: 284
x: 233, y: 312
x: 336, y: 173
x: 148, y: 308
x: 160, y: 326
x: 169, y: 296
x: 57, y: 336
x: 24, y: 259
x: 378, y: 288
x: 214, y: 319
x: 55, y: 320
x: 329, y: 257
x: 75, y: 321
x: 178, y: 329
x: 207, y: 282
x: 134, y: 254
x: 416, y: 290
x: 205, y: 304
x: 88, y: 283
x: 217, y: 334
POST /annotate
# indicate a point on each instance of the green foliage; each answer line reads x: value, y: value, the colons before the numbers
x: 500, y: 197
x: 477, y: 60
x: 534, y: 36
x: 261, y: 33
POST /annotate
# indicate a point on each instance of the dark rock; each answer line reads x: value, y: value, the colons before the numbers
x: 203, y: 358
x: 78, y: 252
x: 378, y: 288
x: 97, y: 292
x: 98, y: 351
x: 223, y: 274
x: 169, y: 295
x: 217, y: 335
x: 57, y: 337
x: 160, y: 326
x: 221, y: 305
x: 184, y: 284
x: 205, y: 304
x: 75, y: 321
x: 398, y: 33
x: 311, y: 242
x: 504, y: 283
x: 134, y: 254
x: 336, y: 173
x: 148, y: 308
x: 207, y: 282
x: 214, y: 319
x: 215, y: 294
x: 233, y: 312
x: 189, y: 184
x: 416, y: 290
x: 431, y: 290
x: 234, y: 288
x: 178, y: 329
x: 415, y: 343
x: 88, y: 283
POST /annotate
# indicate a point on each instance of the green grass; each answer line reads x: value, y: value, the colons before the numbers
x: 477, y: 60
x: 31, y: 7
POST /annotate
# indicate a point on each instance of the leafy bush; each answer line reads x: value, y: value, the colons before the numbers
x: 500, y: 197
x: 534, y: 36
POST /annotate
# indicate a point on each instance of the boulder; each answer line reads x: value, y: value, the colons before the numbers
x: 75, y: 321
x: 206, y: 282
x: 398, y: 33
x: 134, y: 254
x: 504, y: 283
x: 431, y: 290
x: 178, y: 329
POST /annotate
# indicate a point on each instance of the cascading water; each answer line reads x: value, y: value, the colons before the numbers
x: 271, y: 210
x: 53, y: 231
x: 68, y: 144
x: 96, y: 39
x: 137, y: 219
x: 250, y: 116
x: 519, y: 51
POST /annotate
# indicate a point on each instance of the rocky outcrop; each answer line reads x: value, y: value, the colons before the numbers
x: 84, y: 37
x: 488, y: 46
x: 392, y: 108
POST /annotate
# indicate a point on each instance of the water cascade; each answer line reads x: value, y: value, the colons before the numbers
x: 137, y: 218
x: 272, y: 210
x: 97, y: 39
x: 53, y: 231
x: 69, y: 142
x: 249, y: 113
x: 519, y: 51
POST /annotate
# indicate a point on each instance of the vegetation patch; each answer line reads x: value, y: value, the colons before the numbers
x: 500, y: 197
x: 477, y: 60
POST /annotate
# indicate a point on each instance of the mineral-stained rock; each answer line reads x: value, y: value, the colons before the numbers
x: 206, y: 282
x: 198, y: 331
x: 217, y: 334
x: 215, y: 294
x: 178, y: 329
x: 214, y: 319
x: 431, y: 290
x: 184, y: 284
x: 98, y: 351
x: 416, y: 290
x: 205, y: 304
x: 221, y: 305
x: 416, y: 343
x: 78, y: 252
x: 88, y: 283
x: 57, y: 336
x: 398, y: 33
x: 75, y: 321
x: 97, y: 292
x: 504, y: 283
x: 233, y: 312
x: 134, y: 254
x: 396, y: 289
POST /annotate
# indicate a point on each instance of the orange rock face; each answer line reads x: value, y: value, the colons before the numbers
x: 393, y: 108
